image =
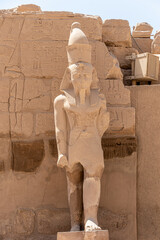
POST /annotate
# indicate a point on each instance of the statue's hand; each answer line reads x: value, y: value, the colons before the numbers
x: 62, y: 161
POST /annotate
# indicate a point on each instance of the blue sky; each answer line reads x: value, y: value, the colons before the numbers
x: 134, y: 11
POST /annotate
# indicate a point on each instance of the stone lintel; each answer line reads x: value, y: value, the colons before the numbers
x: 95, y: 235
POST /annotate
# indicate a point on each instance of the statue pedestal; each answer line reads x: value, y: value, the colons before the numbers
x: 96, y: 235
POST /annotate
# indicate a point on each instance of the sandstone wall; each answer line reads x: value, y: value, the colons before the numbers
x: 146, y: 101
x: 33, y: 190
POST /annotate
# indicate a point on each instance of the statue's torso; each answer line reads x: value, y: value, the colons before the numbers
x: 84, y: 141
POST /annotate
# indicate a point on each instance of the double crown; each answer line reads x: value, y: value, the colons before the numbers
x: 78, y: 49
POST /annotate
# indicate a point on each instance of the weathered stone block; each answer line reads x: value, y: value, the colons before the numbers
x: 5, y: 154
x: 144, y: 99
x: 56, y: 26
x: 155, y: 47
x: 42, y: 59
x: 10, y: 30
x: 115, y: 92
x: 4, y: 95
x: 107, y: 66
x: 6, y: 227
x: 121, y: 53
x: 118, y: 147
x: 122, y: 121
x: 117, y: 211
x: 21, y: 124
x: 28, y: 8
x: 24, y: 221
x: 27, y: 156
x: 142, y: 30
x: 4, y: 124
x: 50, y: 221
x: 97, y: 235
x: 116, y: 32
x: 16, y: 95
x: 142, y: 44
x: 45, y: 124
x: 9, y: 34
x: 36, y: 95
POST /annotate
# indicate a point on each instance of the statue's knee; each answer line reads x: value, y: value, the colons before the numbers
x: 93, y: 173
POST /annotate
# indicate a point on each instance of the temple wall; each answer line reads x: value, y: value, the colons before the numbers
x: 32, y: 63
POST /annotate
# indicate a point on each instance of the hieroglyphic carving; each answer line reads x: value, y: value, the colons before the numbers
x: 16, y: 95
x: 42, y: 58
x: 115, y: 92
x: 122, y: 121
x: 41, y: 27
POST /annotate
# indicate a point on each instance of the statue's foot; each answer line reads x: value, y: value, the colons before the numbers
x: 75, y: 228
x: 91, y: 226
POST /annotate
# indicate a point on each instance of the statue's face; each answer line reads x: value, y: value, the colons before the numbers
x: 81, y: 75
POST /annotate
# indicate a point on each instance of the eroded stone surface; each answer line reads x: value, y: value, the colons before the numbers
x: 142, y: 30
x: 148, y: 171
x: 115, y: 92
x: 24, y: 221
x: 21, y: 124
x: 27, y: 156
x: 51, y: 221
x: 28, y: 8
x: 116, y: 32
x: 5, y: 154
x: 122, y: 121
x: 155, y: 47
x: 118, y: 147
x: 118, y: 189
x: 45, y: 124
x: 36, y: 95
x: 56, y: 26
x: 4, y: 124
x: 106, y: 64
x: 42, y: 59
x: 142, y: 44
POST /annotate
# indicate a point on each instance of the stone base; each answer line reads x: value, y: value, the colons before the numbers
x: 96, y: 235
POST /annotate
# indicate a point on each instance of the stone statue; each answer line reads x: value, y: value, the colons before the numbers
x: 80, y: 121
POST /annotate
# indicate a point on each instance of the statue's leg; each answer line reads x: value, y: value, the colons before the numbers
x: 75, y: 196
x: 91, y: 197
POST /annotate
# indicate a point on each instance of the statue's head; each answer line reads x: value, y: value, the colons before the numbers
x: 80, y: 74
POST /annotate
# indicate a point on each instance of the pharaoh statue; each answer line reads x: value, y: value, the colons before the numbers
x: 81, y: 118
